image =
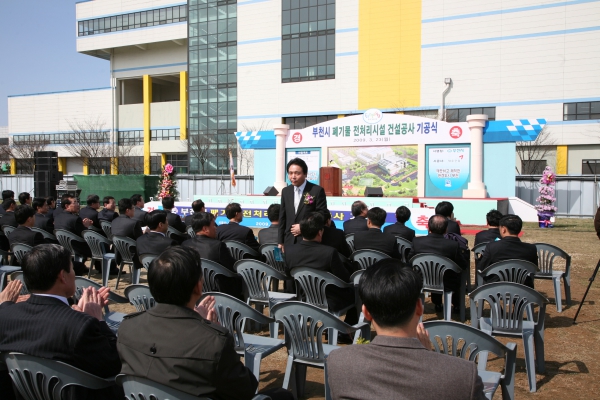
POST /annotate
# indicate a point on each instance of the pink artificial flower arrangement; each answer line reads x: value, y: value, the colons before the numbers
x: 308, y: 199
x: 546, y: 198
x: 168, y: 169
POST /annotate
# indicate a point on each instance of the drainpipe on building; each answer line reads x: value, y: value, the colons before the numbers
x: 448, y: 83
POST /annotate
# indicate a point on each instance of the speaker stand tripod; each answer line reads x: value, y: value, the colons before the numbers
x: 586, y: 291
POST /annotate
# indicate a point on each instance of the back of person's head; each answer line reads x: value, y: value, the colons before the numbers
x: 390, y: 291
x: 65, y: 196
x: 107, y: 199
x: 299, y: 162
x: 155, y: 218
x: 197, y: 205
x: 377, y: 216
x: 124, y: 205
x: 402, y: 214
x: 357, y: 208
x: 438, y: 224
x: 273, y: 212
x: 168, y: 203
x: 23, y: 212
x: 200, y: 220
x: 93, y: 199
x: 42, y: 265
x: 232, y: 209
x: 7, y: 194
x: 24, y: 197
x: 7, y: 203
x: 38, y: 202
x: 444, y: 208
x: 136, y: 198
x: 50, y: 200
x: 327, y: 216
x: 66, y: 201
x: 493, y: 218
x: 513, y: 223
x: 174, y: 274
x: 311, y: 225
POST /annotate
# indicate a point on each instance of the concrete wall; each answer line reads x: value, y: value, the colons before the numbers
x: 165, y: 57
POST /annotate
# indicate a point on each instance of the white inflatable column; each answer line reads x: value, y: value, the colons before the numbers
x: 281, y: 132
x: 476, y: 188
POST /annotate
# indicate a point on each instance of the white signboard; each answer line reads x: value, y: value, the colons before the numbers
x: 376, y: 128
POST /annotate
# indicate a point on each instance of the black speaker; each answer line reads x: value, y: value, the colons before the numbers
x: 373, y: 192
x: 271, y: 191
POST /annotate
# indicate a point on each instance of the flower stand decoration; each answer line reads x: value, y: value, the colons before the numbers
x: 546, y: 199
x: 167, y: 186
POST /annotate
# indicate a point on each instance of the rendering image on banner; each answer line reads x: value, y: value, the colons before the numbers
x: 392, y: 168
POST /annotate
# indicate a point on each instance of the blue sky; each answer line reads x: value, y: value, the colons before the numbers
x: 38, y: 53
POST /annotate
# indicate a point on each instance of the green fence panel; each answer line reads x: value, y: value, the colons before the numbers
x: 118, y: 186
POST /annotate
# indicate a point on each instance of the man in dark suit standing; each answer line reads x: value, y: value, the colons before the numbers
x: 493, y: 231
x: 436, y: 243
x: 270, y: 235
x: 42, y: 219
x: 139, y: 213
x: 399, y: 228
x: 446, y: 209
x: 155, y: 241
x: 70, y: 221
x: 298, y: 200
x: 335, y: 237
x: 25, y: 217
x: 374, y: 239
x: 108, y: 209
x: 91, y: 211
x: 197, y: 206
x: 399, y: 359
x: 233, y: 230
x: 210, y: 248
x: 46, y: 326
x: 173, y: 219
x: 359, y: 223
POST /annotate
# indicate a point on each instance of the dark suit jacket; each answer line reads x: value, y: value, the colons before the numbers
x: 74, y: 224
x: 509, y: 248
x: 400, y: 368
x: 153, y: 243
x: 436, y: 244
x: 125, y: 226
x: 399, y: 229
x: 48, y: 328
x: 356, y: 224
x: 26, y: 236
x: 44, y: 222
x: 374, y: 239
x: 188, y: 220
x: 488, y: 235
x: 175, y: 221
x: 141, y: 216
x: 8, y: 219
x: 2, y: 210
x: 237, y: 232
x: 201, y: 362
x: 91, y: 213
x: 335, y: 238
x: 107, y: 215
x: 453, y: 227
x: 288, y: 215
x: 269, y: 235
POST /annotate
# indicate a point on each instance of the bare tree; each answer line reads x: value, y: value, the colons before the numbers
x: 531, y: 154
x: 24, y: 149
x: 199, y: 147
x: 246, y: 160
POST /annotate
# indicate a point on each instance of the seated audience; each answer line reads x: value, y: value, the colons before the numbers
x: 70, y: 221
x: 91, y: 211
x: 399, y: 228
x: 42, y: 219
x: 108, y: 211
x: 374, y: 239
x: 335, y: 237
x: 493, y: 231
x: 51, y: 201
x: 436, y: 243
x: 174, y: 220
x: 211, y: 248
x: 6, y: 194
x: 7, y: 219
x: 155, y: 241
x: 139, y: 213
x: 25, y: 198
x: 202, y: 361
x: 270, y: 235
x: 359, y: 221
x: 46, y: 326
x: 233, y: 230
x: 197, y: 206
x: 126, y: 225
x: 399, y: 362
x: 446, y: 209
x: 25, y: 217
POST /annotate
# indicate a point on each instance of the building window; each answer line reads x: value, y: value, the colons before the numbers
x: 25, y: 166
x: 583, y: 110
x: 179, y: 162
x: 590, y: 167
x: 3, y: 141
x: 160, y: 16
x: 307, y: 40
x: 303, y: 122
x: 460, y: 114
x: 130, y: 138
x: 62, y: 138
x: 533, y: 167
x: 165, y: 134
x: 134, y: 165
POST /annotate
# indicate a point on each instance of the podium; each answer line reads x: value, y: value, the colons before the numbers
x: 331, y: 180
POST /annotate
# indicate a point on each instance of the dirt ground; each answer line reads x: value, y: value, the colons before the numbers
x: 572, y: 358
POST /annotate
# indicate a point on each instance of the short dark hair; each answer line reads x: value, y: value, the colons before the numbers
x: 107, y: 199
x: 168, y: 202
x: 93, y: 199
x: 42, y: 265
x: 232, y: 209
x: 327, y: 215
x: 197, y: 205
x: 136, y: 198
x: 65, y: 196
x: 156, y: 217
x: 390, y: 291
x: 402, y: 214
x: 311, y: 225
x: 8, y: 194
x: 7, y: 203
x: 174, y: 274
x: 358, y: 207
x: 299, y: 162
x: 512, y: 222
x: 124, y: 205
x: 23, y: 197
x: 377, y: 216
x: 50, y: 200
x: 38, y: 202
x: 67, y: 200
x: 200, y: 220
x: 493, y: 218
x: 438, y: 224
x: 23, y: 212
x: 273, y: 212
x: 444, y: 208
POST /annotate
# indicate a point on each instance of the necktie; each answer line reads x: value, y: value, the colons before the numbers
x: 297, y: 197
